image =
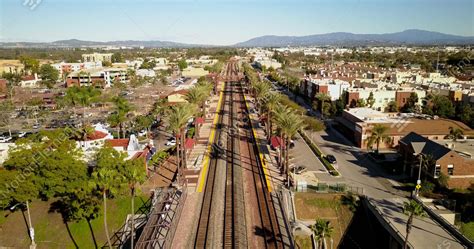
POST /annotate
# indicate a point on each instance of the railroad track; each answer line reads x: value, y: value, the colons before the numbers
x: 203, y: 230
x: 268, y: 218
x: 234, y: 219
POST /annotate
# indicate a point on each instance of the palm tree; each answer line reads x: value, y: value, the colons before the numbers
x: 106, y: 181
x: 271, y: 102
x: 135, y: 175
x: 178, y: 117
x: 261, y: 90
x: 379, y: 134
x: 289, y: 124
x: 322, y: 98
x: 455, y: 134
x: 279, y: 113
x: 322, y: 230
x: 121, y: 110
x: 412, y: 209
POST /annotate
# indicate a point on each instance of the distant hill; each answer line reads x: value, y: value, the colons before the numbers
x: 409, y: 37
x: 80, y: 43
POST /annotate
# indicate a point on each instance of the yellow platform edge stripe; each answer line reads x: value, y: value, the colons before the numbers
x: 260, y: 155
x: 205, y: 164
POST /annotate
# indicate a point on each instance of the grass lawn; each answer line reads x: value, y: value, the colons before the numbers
x: 468, y: 230
x: 310, y: 206
x: 303, y: 242
x: 51, y: 232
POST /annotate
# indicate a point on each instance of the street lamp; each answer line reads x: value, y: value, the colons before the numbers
x: 31, y: 230
x: 417, y: 149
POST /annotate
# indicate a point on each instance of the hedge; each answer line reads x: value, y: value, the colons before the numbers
x: 320, y: 155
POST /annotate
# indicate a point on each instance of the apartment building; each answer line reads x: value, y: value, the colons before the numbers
x: 95, y: 57
x: 65, y: 68
x: 100, y: 77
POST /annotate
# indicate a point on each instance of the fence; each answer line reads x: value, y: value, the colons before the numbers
x: 330, y: 188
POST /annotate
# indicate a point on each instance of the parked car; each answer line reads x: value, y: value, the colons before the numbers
x: 171, y: 142
x: 298, y: 169
x: 5, y: 139
x: 36, y: 126
x: 142, y: 133
x: 21, y: 134
x: 332, y: 160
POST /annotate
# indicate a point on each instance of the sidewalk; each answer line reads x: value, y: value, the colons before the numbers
x: 195, y: 157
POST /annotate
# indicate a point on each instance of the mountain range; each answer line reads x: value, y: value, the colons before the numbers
x: 407, y: 37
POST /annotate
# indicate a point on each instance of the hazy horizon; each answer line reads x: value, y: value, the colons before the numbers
x: 227, y: 22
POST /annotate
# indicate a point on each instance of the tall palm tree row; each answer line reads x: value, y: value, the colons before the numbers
x: 270, y: 103
x: 121, y: 109
x: 178, y: 117
x: 289, y: 124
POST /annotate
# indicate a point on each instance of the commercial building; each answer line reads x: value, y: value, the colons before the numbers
x: 357, y: 124
x: 456, y: 162
x: 101, y: 77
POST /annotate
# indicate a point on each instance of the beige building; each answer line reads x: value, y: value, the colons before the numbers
x: 95, y: 57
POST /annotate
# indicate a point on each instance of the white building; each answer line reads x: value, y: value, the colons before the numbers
x: 94, y: 57
x: 66, y: 68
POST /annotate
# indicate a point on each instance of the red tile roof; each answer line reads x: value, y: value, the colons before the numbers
x: 117, y: 142
x: 28, y: 77
x: 96, y: 135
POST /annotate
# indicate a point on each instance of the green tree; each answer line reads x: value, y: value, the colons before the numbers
x: 322, y: 230
x: 289, y: 123
x: 371, y: 100
x: 323, y: 99
x: 30, y: 65
x: 411, y: 104
x: 392, y: 106
x: 49, y: 75
x: 144, y: 122
x: 270, y: 103
x: 439, y: 105
x: 13, y: 79
x: 182, y: 64
x: 178, y: 117
x: 412, y: 209
x: 117, y: 57
x: 54, y: 160
x: 121, y: 109
x: 378, y: 134
x: 455, y: 134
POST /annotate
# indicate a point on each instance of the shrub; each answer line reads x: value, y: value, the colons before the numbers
x: 313, y: 124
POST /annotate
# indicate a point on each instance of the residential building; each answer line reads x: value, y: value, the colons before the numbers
x: 334, y: 88
x: 440, y: 159
x: 96, y: 57
x: 177, y: 97
x: 30, y: 81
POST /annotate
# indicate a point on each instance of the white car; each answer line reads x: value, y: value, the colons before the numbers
x: 21, y: 134
x: 142, y: 133
x: 171, y: 143
x: 4, y: 139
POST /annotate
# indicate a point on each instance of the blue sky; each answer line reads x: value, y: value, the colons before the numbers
x: 225, y: 22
